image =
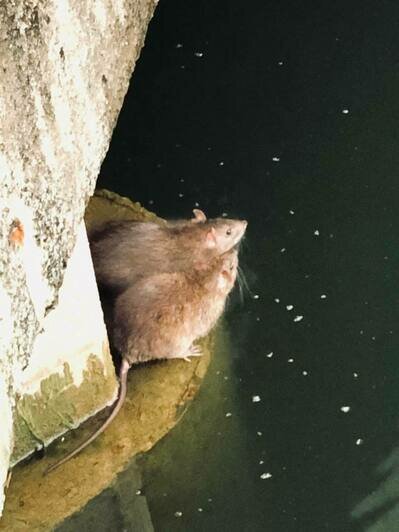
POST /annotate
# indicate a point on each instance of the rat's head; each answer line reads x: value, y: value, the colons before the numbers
x: 228, y: 270
x: 224, y: 234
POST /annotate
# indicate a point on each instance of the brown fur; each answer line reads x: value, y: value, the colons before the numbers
x: 123, y: 252
x: 162, y: 315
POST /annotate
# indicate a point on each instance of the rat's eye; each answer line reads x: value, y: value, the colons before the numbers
x: 228, y: 232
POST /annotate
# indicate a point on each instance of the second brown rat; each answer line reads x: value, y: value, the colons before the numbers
x: 124, y: 251
x: 161, y: 316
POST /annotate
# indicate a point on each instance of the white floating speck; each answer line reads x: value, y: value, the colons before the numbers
x: 196, y: 204
x: 182, y: 66
x: 276, y: 159
x: 151, y: 202
x: 282, y: 250
x: 356, y: 375
x: 259, y: 433
x: 138, y: 492
x: 323, y: 296
x: 276, y: 299
x: 304, y: 373
x: 226, y: 378
x: 292, y: 212
x: 345, y: 111
x: 198, y: 54
x: 182, y: 180
x: 256, y: 296
x: 280, y: 63
x: 257, y: 318
x: 290, y: 360
x: 200, y: 509
x: 178, y: 514
x: 289, y: 307
x: 269, y: 355
x: 228, y: 414
x: 316, y: 232
x: 221, y: 163
x: 255, y: 399
x: 209, y: 500
x: 181, y: 195
x: 261, y: 462
x: 265, y: 475
x: 298, y: 318
x: 359, y: 441
x: 63, y: 438
x: 345, y: 409
x: 224, y: 214
x: 179, y: 45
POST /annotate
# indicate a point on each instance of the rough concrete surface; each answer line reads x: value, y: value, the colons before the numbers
x: 65, y: 67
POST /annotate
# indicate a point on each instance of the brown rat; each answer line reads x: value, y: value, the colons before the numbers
x: 161, y: 316
x: 124, y: 251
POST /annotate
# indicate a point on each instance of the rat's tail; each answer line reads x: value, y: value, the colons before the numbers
x: 122, y: 394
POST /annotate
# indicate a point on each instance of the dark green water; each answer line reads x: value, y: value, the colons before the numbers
x: 286, y: 114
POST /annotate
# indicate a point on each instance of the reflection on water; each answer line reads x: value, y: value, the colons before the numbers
x: 121, y: 507
x: 379, y: 511
x: 204, y: 467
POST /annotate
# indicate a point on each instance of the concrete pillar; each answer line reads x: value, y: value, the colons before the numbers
x: 65, y: 66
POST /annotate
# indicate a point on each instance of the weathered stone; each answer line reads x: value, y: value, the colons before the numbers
x: 65, y: 68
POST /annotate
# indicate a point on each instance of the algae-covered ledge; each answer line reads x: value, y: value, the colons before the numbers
x: 55, y: 408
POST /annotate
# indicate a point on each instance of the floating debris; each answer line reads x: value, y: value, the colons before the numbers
x: 178, y: 514
x: 228, y: 414
x: 298, y: 318
x: 290, y: 360
x: 179, y: 45
x: 280, y: 63
x: 181, y: 195
x: 138, y: 492
x: 265, y: 475
x: 198, y: 54
x: 282, y: 250
x: 323, y: 296
x: 345, y: 409
x: 256, y: 296
x: 316, y: 232
x: 359, y: 441
x: 276, y: 159
x: 345, y: 111
x: 292, y: 212
x: 289, y: 307
x: 259, y: 433
x: 200, y: 510
x: 196, y: 204
x: 269, y: 355
x: 356, y: 375
x: 304, y: 373
x: 255, y: 399
x: 261, y: 462
x: 221, y: 163
x: 276, y: 299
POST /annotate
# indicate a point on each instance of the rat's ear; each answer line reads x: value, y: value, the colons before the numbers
x: 211, y: 238
x: 199, y: 216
